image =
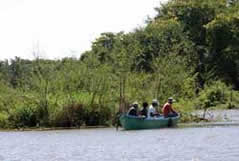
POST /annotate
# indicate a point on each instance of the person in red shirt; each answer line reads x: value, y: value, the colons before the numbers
x: 168, y: 110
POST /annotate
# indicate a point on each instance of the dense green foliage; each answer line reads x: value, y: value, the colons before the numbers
x: 188, y: 51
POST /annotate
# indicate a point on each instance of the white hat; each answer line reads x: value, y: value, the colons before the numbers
x: 170, y: 99
x: 154, y: 101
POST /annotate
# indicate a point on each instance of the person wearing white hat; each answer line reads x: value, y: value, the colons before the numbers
x: 168, y: 110
x: 133, y: 111
x: 152, y: 109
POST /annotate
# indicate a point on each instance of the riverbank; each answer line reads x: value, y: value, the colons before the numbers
x: 212, y: 118
x: 215, y: 117
x: 52, y: 128
x: 219, y: 115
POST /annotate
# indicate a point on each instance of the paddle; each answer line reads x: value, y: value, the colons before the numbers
x: 170, y: 122
x: 117, y: 120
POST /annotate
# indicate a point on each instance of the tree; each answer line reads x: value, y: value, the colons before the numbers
x: 223, y: 37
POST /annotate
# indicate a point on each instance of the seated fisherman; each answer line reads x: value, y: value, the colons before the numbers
x: 152, y: 109
x: 168, y: 110
x: 144, y: 111
x: 133, y: 111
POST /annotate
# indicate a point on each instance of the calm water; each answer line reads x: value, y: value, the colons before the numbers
x: 179, y: 144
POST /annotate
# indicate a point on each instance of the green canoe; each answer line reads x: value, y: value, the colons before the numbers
x: 134, y: 123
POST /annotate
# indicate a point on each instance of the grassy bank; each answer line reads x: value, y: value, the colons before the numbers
x: 24, y: 111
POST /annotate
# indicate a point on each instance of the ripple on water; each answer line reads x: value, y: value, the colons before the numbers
x: 182, y: 144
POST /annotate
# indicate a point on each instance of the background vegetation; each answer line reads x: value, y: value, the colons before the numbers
x: 189, y: 51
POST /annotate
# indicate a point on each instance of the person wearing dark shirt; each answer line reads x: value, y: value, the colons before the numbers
x: 133, y: 110
x: 144, y: 111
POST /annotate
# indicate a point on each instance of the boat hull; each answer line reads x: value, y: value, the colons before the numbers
x: 135, y: 123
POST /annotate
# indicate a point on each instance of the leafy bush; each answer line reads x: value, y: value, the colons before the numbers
x: 213, y: 95
x: 23, y: 116
x: 70, y: 116
x: 97, y: 115
x: 233, y: 100
x: 185, y: 108
x: 3, y: 120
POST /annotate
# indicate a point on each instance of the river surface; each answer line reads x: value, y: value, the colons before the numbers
x: 175, y: 144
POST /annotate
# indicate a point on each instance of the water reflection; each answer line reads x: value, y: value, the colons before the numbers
x: 180, y: 144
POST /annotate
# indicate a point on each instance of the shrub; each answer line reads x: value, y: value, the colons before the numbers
x: 213, y: 95
x: 185, y: 108
x: 233, y: 100
x: 97, y: 115
x: 24, y: 116
x: 3, y: 120
x: 71, y: 115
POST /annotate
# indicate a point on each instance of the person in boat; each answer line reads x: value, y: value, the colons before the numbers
x: 152, y: 109
x: 133, y: 111
x: 168, y: 110
x: 144, y: 111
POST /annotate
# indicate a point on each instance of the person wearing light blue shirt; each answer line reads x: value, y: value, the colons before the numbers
x: 152, y: 109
